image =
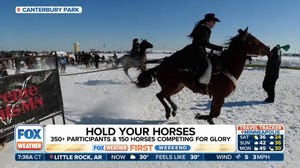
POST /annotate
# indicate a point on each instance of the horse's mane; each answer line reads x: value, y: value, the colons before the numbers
x: 233, y: 40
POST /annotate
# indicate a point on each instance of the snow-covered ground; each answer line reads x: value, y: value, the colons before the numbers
x: 291, y: 61
x: 108, y: 97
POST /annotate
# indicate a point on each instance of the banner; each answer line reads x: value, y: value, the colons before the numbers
x: 246, y: 142
x: 137, y: 138
x: 27, y: 98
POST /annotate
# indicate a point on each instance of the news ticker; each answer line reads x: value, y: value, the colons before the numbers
x: 249, y: 142
x: 149, y: 157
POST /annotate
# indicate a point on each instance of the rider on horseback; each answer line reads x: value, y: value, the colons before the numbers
x: 134, y: 52
x: 201, y: 35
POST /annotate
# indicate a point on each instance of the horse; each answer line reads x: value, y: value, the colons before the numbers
x: 130, y: 61
x: 240, y: 48
x: 111, y: 60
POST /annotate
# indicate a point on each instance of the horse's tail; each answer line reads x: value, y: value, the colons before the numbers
x: 146, y: 77
x: 122, y: 60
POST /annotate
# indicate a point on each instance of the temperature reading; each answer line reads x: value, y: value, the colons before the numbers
x: 194, y: 157
x: 278, y: 148
x: 144, y: 157
x: 262, y: 142
x: 262, y: 136
x: 278, y: 143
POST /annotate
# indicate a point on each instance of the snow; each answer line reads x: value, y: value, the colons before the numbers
x: 108, y: 97
x: 286, y: 60
x: 61, y: 53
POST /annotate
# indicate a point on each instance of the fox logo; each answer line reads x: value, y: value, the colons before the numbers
x: 29, y: 137
x: 29, y: 133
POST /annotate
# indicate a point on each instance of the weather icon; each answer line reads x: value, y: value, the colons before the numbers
x: 255, y: 143
x: 271, y: 143
x: 132, y: 157
x: 255, y: 137
x: 271, y: 137
x: 256, y: 148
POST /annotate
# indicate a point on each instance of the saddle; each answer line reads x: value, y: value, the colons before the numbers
x: 215, y: 67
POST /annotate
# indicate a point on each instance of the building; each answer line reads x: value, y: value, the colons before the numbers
x: 76, y: 47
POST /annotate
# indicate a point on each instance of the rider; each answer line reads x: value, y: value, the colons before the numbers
x: 201, y: 35
x: 134, y: 52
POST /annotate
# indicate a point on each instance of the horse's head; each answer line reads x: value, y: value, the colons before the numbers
x: 250, y: 44
x: 145, y: 44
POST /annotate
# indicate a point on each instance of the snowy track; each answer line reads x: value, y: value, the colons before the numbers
x: 110, y: 98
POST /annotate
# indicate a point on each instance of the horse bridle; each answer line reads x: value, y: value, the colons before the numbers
x: 244, y: 38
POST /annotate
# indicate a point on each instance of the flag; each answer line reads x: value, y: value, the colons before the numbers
x: 285, y: 47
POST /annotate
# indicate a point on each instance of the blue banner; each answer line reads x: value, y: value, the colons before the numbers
x: 149, y: 157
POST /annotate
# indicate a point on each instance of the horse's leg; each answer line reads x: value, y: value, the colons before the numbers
x: 161, y: 97
x: 126, y: 72
x: 208, y: 118
x: 173, y: 105
x: 215, y: 110
x: 167, y: 92
x: 216, y: 106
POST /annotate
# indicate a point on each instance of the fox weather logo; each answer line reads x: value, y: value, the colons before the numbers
x: 29, y: 137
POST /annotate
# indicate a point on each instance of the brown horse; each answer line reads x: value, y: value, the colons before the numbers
x: 172, y: 81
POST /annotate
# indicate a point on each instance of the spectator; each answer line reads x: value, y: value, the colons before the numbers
x: 272, y: 73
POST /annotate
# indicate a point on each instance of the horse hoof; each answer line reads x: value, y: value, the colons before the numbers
x: 167, y: 117
x: 197, y: 116
x: 201, y: 117
x: 210, y: 121
x: 173, y: 114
